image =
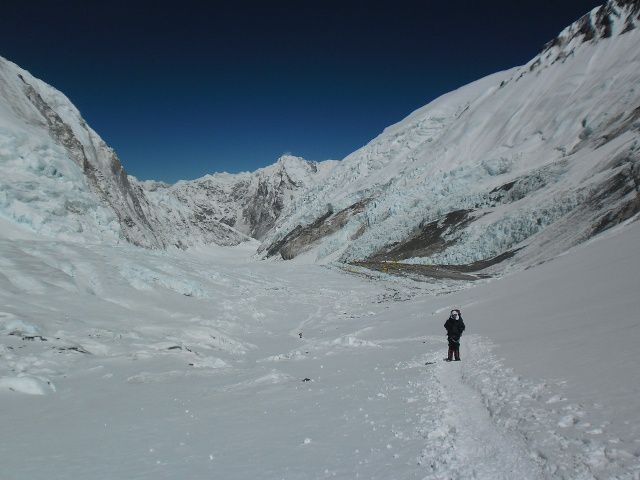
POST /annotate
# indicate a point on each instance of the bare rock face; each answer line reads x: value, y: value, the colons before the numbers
x: 266, y: 197
x: 301, y: 239
x: 430, y: 238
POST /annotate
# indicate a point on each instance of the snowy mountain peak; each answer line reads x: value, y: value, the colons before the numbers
x: 250, y: 202
x: 298, y: 168
x: 295, y: 169
x: 290, y: 159
x: 616, y: 17
x: 611, y: 20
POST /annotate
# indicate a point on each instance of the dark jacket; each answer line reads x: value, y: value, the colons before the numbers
x: 454, y: 328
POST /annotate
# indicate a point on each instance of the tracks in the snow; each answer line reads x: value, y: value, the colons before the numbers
x: 461, y: 439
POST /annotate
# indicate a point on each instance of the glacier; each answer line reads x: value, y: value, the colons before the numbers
x: 263, y: 324
x: 60, y: 179
x: 528, y: 162
x: 541, y: 157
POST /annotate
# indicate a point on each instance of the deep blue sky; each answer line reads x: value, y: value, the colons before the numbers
x: 185, y: 88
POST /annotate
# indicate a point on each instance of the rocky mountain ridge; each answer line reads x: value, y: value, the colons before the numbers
x: 249, y: 202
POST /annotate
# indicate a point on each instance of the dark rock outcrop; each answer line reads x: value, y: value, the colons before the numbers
x: 430, y: 238
x: 304, y: 237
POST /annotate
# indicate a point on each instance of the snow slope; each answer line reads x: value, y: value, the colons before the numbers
x: 532, y: 160
x: 121, y: 362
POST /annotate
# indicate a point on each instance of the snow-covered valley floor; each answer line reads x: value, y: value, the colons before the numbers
x: 122, y: 363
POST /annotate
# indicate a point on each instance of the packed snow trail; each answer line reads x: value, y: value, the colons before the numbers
x: 126, y: 363
x: 474, y: 446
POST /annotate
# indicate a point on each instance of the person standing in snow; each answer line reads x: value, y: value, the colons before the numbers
x: 455, y: 327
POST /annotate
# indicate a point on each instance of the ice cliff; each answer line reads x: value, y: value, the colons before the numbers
x: 61, y: 180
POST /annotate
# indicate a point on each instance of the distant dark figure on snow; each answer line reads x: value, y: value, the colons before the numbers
x: 455, y: 327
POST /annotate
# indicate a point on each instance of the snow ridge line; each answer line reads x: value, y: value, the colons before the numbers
x: 438, y: 455
x: 557, y: 433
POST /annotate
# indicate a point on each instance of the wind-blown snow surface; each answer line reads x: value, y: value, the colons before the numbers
x: 540, y: 156
x: 120, y: 362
